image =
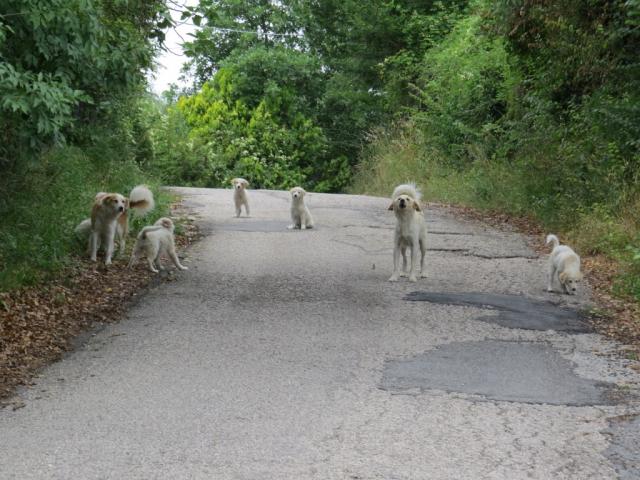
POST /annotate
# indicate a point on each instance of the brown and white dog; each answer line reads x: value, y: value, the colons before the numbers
x: 109, y: 218
x: 410, y: 232
x: 240, y: 195
x: 153, y: 241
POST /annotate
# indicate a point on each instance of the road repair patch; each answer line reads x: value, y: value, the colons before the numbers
x: 513, y: 311
x: 526, y: 372
x: 624, y: 447
x: 244, y: 224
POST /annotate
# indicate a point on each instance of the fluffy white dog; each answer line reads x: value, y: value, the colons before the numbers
x: 300, y: 215
x: 411, y: 231
x: 564, y: 264
x: 109, y: 218
x: 240, y: 195
x: 154, y: 241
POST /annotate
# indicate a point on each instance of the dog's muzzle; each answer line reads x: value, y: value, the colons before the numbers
x: 403, y: 204
x: 121, y: 209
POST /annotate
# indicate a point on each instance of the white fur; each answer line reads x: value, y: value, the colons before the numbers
x: 410, y: 232
x: 300, y: 216
x: 564, y: 264
x: 154, y: 241
x: 240, y: 195
x: 109, y: 219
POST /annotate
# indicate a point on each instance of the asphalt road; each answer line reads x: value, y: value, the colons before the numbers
x: 287, y: 355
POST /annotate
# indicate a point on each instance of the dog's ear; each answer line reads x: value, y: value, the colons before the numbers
x: 246, y: 184
x: 126, y: 203
x: 391, y: 206
x: 233, y: 180
x: 580, y: 276
x: 416, y: 206
x: 563, y: 277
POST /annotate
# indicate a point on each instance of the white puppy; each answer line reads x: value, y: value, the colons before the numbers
x: 154, y: 241
x: 109, y: 218
x: 240, y: 195
x: 411, y: 231
x: 564, y: 264
x: 300, y: 215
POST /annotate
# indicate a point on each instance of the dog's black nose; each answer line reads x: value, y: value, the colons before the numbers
x: 121, y: 209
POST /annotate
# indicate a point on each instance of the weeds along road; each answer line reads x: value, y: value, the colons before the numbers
x: 287, y: 355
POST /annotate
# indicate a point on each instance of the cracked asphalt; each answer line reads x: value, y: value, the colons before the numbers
x: 287, y: 355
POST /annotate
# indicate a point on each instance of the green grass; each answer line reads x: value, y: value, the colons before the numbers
x: 41, y: 204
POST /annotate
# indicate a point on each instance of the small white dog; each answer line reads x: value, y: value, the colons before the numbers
x: 411, y: 231
x: 564, y: 264
x: 300, y: 215
x: 154, y: 241
x: 240, y: 195
x: 109, y: 219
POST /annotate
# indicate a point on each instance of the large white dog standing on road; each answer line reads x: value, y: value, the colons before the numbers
x: 411, y: 231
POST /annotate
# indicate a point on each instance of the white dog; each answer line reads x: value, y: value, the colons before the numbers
x: 109, y: 219
x: 564, y: 264
x: 300, y: 215
x: 240, y: 195
x: 411, y: 231
x: 154, y: 241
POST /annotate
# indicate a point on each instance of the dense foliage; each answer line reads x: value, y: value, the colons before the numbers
x: 72, y: 74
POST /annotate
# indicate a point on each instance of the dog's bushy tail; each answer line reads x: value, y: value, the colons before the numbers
x: 141, y: 200
x: 553, y: 240
x: 409, y: 189
x: 83, y: 229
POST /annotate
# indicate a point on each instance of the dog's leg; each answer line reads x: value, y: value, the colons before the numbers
x: 109, y: 247
x: 414, y: 257
x: 151, y: 265
x: 238, y: 211
x: 423, y: 251
x: 133, y: 259
x: 403, y: 250
x: 396, y: 262
x: 246, y: 207
x: 176, y: 261
x: 552, y: 274
x: 93, y: 245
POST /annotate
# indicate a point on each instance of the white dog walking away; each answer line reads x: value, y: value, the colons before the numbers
x: 411, y: 231
x: 300, y: 215
x: 564, y: 264
x: 240, y: 195
x: 154, y: 241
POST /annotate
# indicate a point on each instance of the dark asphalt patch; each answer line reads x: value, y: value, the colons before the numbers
x: 244, y: 224
x: 624, y: 447
x: 513, y: 311
x: 525, y: 372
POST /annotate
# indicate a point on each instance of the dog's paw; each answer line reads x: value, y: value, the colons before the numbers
x: 423, y: 275
x: 303, y: 227
x: 413, y: 278
x: 393, y: 278
x: 291, y: 227
x: 404, y: 274
x: 183, y: 268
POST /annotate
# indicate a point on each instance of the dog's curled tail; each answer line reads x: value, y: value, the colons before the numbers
x: 141, y: 200
x: 143, y: 233
x: 553, y: 240
x: 409, y: 189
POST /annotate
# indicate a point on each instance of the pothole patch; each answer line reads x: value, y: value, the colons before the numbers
x: 244, y: 224
x: 526, y: 372
x: 513, y: 311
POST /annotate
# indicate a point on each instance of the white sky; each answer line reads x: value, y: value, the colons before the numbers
x: 170, y: 62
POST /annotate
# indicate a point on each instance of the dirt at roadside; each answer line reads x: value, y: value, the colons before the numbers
x: 38, y: 324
